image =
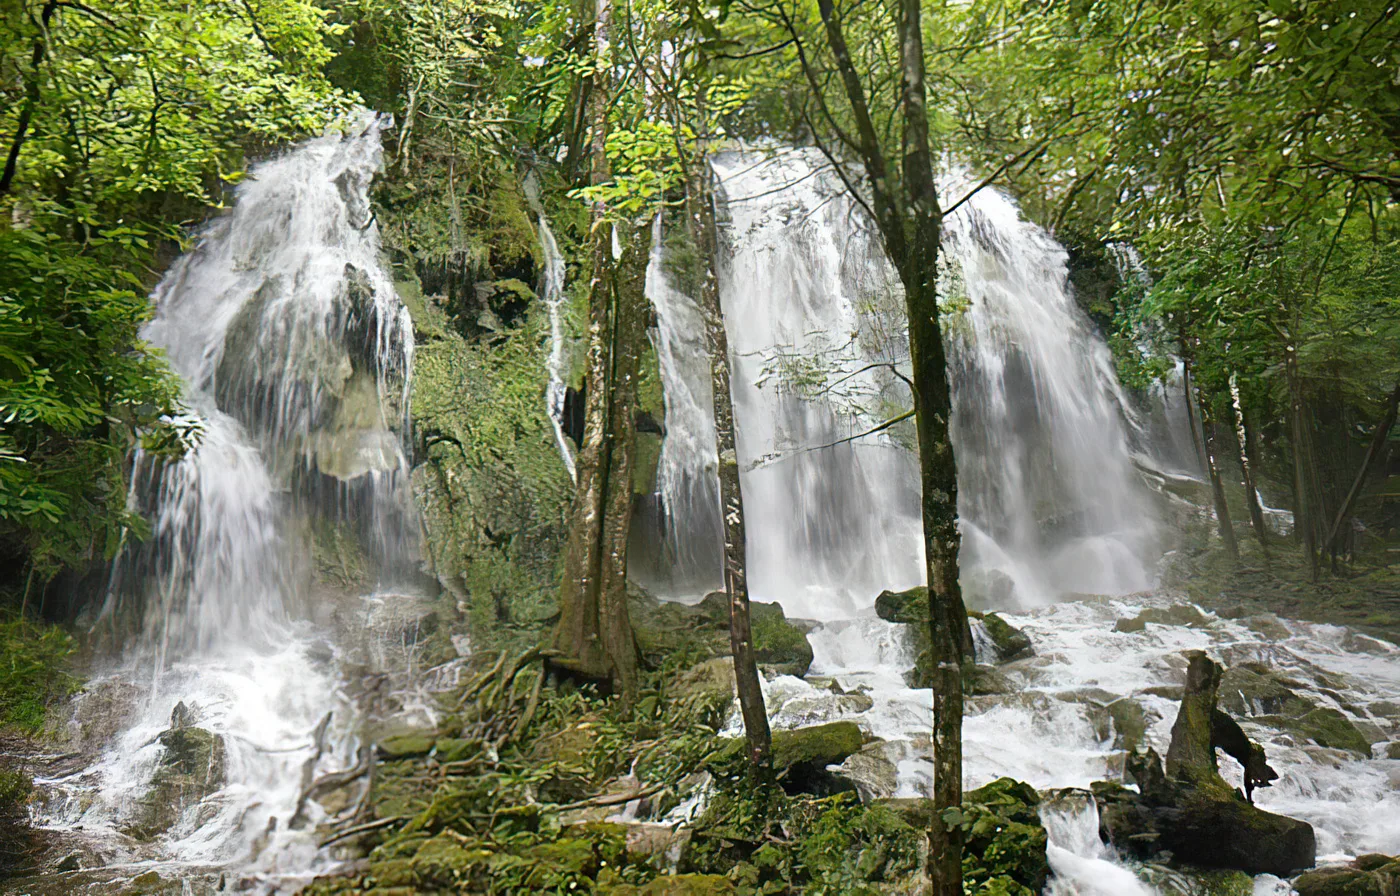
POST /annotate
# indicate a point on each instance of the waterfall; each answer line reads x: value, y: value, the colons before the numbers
x: 556, y: 363
x: 1049, y: 498
x: 1082, y: 864
x: 296, y: 357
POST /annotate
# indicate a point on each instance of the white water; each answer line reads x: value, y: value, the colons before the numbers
x: 1052, y: 510
x: 297, y: 358
x: 556, y: 363
x: 1049, y: 498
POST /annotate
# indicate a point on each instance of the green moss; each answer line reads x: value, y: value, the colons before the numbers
x: 33, y: 676
x: 1005, y: 840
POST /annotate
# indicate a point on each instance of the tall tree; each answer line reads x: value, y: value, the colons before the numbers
x: 594, y: 637
x: 899, y: 181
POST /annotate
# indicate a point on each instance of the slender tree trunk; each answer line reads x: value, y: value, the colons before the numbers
x: 702, y: 221
x: 31, y: 97
x: 1251, y: 488
x: 910, y: 223
x: 1304, y: 513
x: 933, y: 409
x: 1217, y: 485
x: 1188, y: 394
x: 1378, y: 440
x: 593, y: 638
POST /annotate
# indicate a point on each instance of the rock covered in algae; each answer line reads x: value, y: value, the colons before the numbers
x: 666, y: 629
x: 1271, y: 698
x: 1369, y: 875
x: 191, y: 768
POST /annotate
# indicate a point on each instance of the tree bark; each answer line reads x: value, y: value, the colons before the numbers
x: 1217, y: 485
x: 1378, y: 440
x: 1304, y: 511
x: 1251, y: 489
x: 593, y: 638
x: 31, y: 97
x: 907, y: 212
x: 702, y: 220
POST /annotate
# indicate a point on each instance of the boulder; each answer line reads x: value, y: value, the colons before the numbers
x: 1188, y: 809
x: 818, y: 745
x: 1369, y: 875
x: 1010, y: 642
x: 666, y: 629
x: 903, y: 606
x: 1184, y: 615
x: 871, y: 771
x: 1272, y: 698
x: 191, y: 768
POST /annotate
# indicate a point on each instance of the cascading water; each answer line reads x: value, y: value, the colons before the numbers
x: 552, y: 291
x: 1052, y: 507
x: 1049, y: 499
x: 297, y: 358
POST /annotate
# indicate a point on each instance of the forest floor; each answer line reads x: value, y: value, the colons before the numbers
x: 1363, y: 593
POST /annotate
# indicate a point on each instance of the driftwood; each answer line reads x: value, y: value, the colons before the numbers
x: 1188, y: 809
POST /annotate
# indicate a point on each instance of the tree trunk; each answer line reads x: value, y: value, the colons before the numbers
x: 593, y: 639
x: 907, y: 212
x: 1188, y: 394
x: 933, y: 411
x: 702, y: 221
x: 1251, y: 489
x: 31, y: 96
x: 1217, y: 485
x: 1378, y: 441
x: 1304, y: 512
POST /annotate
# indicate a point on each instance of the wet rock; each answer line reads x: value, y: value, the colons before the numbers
x: 1254, y: 689
x: 1188, y: 881
x: 872, y: 772
x: 191, y: 768
x: 903, y: 606
x: 800, y: 756
x: 821, y: 745
x: 1129, y: 724
x: 664, y: 628
x: 1011, y: 643
x: 1184, y: 615
x: 1369, y: 875
x: 1392, y: 750
x: 1003, y: 826
x: 1186, y: 808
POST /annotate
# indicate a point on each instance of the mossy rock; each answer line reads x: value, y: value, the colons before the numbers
x: 1183, y: 615
x: 674, y: 885
x: 909, y: 606
x: 1369, y: 875
x: 405, y: 744
x: 823, y: 745
x: 1011, y: 643
x: 1187, y: 880
x: 666, y: 631
x: 1255, y: 690
x: 1129, y: 723
x: 191, y: 768
x: 1005, y: 838
x: 709, y: 687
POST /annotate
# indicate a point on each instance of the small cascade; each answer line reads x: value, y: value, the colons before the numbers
x: 557, y: 364
x: 297, y: 359
x: 1083, y: 865
x: 686, y: 474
